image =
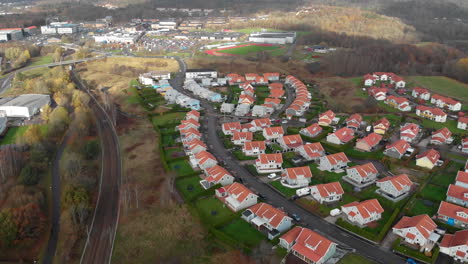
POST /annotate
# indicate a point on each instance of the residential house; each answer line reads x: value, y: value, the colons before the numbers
x: 458, y: 195
x: 462, y: 179
x: 462, y: 123
x: 312, y: 130
x: 453, y: 214
x: 364, y: 212
x: 409, y: 132
x: 442, y: 136
x: 464, y: 145
x: 456, y: 246
x: 189, y: 123
x: 246, y: 99
x: 397, y: 81
x: 446, y: 102
x: 254, y: 148
x: 421, y: 93
x: 297, y: 177
x: 327, y: 192
x: 311, y: 151
x: 400, y: 103
x: 362, y: 175
x: 205, y: 160
x: 260, y: 111
x: 333, y: 162
x: 354, y: 122
x: 230, y: 128
x: 428, y: 159
x: 227, y: 108
x: 242, y: 110
x: 195, y: 115
x: 394, y: 187
x: 326, y: 119
x: 251, y: 76
x: 382, y: 76
x: 397, y: 149
x: 415, y: 230
x: 260, y: 124
x: 194, y: 146
x: 381, y: 126
x: 189, y: 134
x: 268, y: 163
x: 369, y: 80
x: 216, y: 175
x: 267, y: 219
x: 369, y: 142
x: 273, y: 102
x: 431, y: 113
x: 341, y: 136
x: 272, y: 76
x: 275, y: 86
x: 379, y: 94
x: 239, y: 138
x: 307, y: 245
x: 276, y: 93
x: 249, y: 90
x: 290, y: 142
x: 236, y: 196
x: 273, y: 133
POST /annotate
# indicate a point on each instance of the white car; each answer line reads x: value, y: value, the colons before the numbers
x: 271, y: 176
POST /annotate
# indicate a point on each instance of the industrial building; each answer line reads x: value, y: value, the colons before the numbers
x: 117, y: 37
x: 23, y: 106
x: 273, y: 37
x: 60, y: 28
x: 201, y: 73
x: 8, y: 34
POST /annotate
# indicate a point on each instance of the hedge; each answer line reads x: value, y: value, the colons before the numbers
x: 415, y: 253
x: 355, y: 229
x: 388, y: 225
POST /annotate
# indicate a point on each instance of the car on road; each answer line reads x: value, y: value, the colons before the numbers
x: 271, y: 176
x: 296, y: 217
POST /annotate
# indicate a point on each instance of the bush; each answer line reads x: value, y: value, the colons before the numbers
x: 29, y: 176
x: 91, y: 149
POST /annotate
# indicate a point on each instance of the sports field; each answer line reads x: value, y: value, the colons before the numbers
x: 242, y: 50
x: 442, y: 85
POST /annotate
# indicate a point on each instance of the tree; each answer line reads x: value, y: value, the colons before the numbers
x: 61, y: 98
x: 22, y: 59
x: 60, y: 115
x: 82, y: 120
x: 91, y: 149
x: 74, y: 196
x: 81, y: 53
x: 80, y: 98
x: 32, y: 135
x: 29, y: 175
x: 31, y: 222
x: 57, y: 56
x: 45, y: 113
x: 12, y: 53
x: 8, y: 229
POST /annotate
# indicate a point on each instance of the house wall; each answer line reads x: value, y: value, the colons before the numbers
x: 285, y: 224
x: 425, y: 163
x: 334, y: 139
x: 452, y: 251
x: 458, y: 201
x: 388, y: 188
x: 393, y: 153
x: 361, y: 145
x: 419, y: 239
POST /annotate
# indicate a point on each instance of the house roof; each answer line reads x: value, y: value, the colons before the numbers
x: 355, y: 118
x: 398, y: 100
x: 297, y: 172
x: 216, y: 173
x: 271, y: 131
x: 399, y: 181
x: 400, y: 146
x: 423, y: 223
x: 366, y: 208
x: 462, y: 176
x: 372, y: 139
x: 463, y: 119
x: 238, y: 191
x: 190, y: 131
x: 442, y: 134
x: 431, y: 154
x: 195, y: 143
x: 193, y: 113
x: 292, y: 140
x: 271, y: 74
x: 308, y: 243
x: 329, y: 189
x: 420, y: 90
x: 313, y: 129
x: 458, y: 239
x: 190, y: 122
x: 232, y: 126
x: 274, y: 101
x: 276, y: 93
x: 453, y: 211
x: 369, y: 77
x: 276, y: 86
x: 204, y: 156
x: 410, y: 130
x: 263, y: 122
x: 444, y: 99
x: 344, y: 134
x: 374, y: 91
x: 384, y: 123
x: 365, y: 170
x: 433, y: 110
x: 245, y: 98
x: 458, y: 192
x: 328, y: 115
x: 313, y: 149
x: 266, y: 158
x: 273, y: 215
x: 242, y: 135
x: 250, y: 145
x: 334, y: 159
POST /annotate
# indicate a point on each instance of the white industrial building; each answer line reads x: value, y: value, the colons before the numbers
x: 273, y: 37
x: 201, y: 74
x: 3, y: 124
x: 116, y: 37
x: 60, y: 28
x: 11, y: 34
x: 23, y: 106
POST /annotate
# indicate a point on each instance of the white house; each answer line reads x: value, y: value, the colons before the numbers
x: 327, y: 192
x: 205, y: 160
x: 259, y: 111
x: 311, y: 151
x: 462, y: 123
x: 236, y: 196
x: 268, y: 163
x: 369, y: 80
x: 307, y: 245
x: 379, y: 94
x: 311, y: 131
x: 260, y: 124
x: 227, y: 108
x: 395, y: 187
x: 453, y: 214
x: 230, y: 128
x: 273, y: 133
x: 415, y: 230
x: 462, y: 179
x: 457, y: 195
x: 194, y: 146
x: 409, y: 132
x: 442, y: 136
x: 428, y: 159
x: 446, y: 102
x: 397, y: 149
x: 421, y: 93
x: 326, y: 119
x: 239, y: 138
x: 431, y: 113
x: 216, y: 175
x: 266, y: 218
x: 362, y: 174
x: 400, y: 103
x: 341, y: 136
x: 364, y: 212
x: 290, y: 142
x: 456, y: 246
x: 333, y: 162
x: 201, y: 74
x: 254, y: 148
x: 297, y: 177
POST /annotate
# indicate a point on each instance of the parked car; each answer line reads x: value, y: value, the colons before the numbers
x: 271, y: 176
x: 296, y: 217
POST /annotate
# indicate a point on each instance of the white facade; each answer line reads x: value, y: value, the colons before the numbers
x: 201, y: 74
x: 23, y: 106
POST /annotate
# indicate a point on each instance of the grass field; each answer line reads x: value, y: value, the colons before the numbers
x: 247, y: 49
x: 12, y: 134
x: 288, y: 192
x: 181, y: 167
x: 212, y: 212
x: 167, y: 119
x: 243, y: 232
x: 41, y: 60
x: 354, y: 259
x: 434, y: 193
x: 418, y: 207
x: 443, y: 85
x: 189, y: 187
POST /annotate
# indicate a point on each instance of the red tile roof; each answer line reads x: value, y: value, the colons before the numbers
x: 463, y: 119
x: 329, y: 189
x: 263, y: 122
x: 431, y: 154
x: 314, y: 149
x: 308, y: 243
x: 193, y: 113
x: 246, y: 99
x: 242, y: 135
x: 434, y: 110
x: 266, y: 158
x: 355, y: 118
x: 274, y: 101
x: 399, y: 181
x: 314, y: 129
x: 420, y: 90
x: 444, y: 99
x: 233, y: 126
x: 460, y: 238
x: 327, y: 116
x: 365, y: 170
x: 204, y: 156
x: 462, y: 176
x: 276, y: 93
x: 453, y: 211
x: 238, y: 191
x: 410, y: 130
x: 382, y: 123
x: 250, y: 145
x: 372, y: 139
x: 297, y: 172
x: 441, y: 135
x: 271, y: 74
x: 458, y: 192
x: 273, y: 215
x: 216, y: 173
x: 423, y: 223
x: 401, y: 146
x: 272, y: 131
x: 344, y: 134
x: 366, y: 208
x: 292, y: 141
x: 337, y: 157
x: 276, y: 86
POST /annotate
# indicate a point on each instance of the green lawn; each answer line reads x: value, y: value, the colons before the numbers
x: 434, y: 193
x: 352, y: 258
x: 181, y: 167
x: 12, y: 134
x: 213, y: 212
x: 426, y: 123
x: 41, y: 60
x: 442, y: 85
x: 172, y: 153
x: 167, y: 119
x: 288, y: 192
x: 243, y: 232
x: 240, y: 155
x: 189, y: 187
x: 247, y: 49
x: 418, y: 207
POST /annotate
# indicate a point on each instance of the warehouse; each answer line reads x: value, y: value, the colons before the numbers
x: 201, y: 73
x: 273, y: 37
x: 60, y: 28
x: 8, y: 34
x: 23, y: 106
x: 117, y: 37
